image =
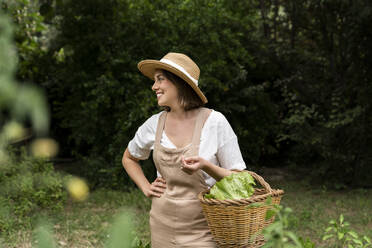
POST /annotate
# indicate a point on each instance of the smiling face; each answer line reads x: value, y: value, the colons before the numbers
x: 166, y: 91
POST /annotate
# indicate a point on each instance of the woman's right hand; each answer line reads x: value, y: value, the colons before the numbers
x: 156, y: 188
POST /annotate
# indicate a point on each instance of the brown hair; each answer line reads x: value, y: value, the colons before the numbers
x: 186, y: 95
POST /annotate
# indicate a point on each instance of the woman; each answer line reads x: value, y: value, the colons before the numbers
x: 192, y: 148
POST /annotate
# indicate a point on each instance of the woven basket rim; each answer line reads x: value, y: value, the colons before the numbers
x: 245, y: 201
x: 239, y: 202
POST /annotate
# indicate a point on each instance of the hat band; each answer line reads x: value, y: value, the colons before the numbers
x: 171, y: 63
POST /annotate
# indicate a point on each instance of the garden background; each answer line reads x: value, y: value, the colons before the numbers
x: 293, y: 78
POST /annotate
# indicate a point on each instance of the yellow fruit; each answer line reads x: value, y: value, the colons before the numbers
x: 14, y: 131
x: 44, y: 148
x: 78, y: 189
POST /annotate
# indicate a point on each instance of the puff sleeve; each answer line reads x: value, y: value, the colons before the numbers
x: 228, y: 151
x: 143, y: 142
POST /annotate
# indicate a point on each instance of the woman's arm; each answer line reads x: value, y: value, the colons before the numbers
x: 192, y: 164
x: 135, y: 172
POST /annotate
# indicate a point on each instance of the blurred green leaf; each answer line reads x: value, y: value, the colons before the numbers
x: 120, y: 234
x: 44, y: 236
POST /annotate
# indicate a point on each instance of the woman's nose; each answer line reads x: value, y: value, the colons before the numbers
x: 155, y: 86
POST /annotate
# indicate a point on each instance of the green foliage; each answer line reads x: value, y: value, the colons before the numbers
x: 342, y: 236
x: 277, y: 234
x: 120, y: 235
x: 327, y: 89
x: 43, y: 236
x: 23, y: 101
x: 337, y: 234
x: 306, y: 243
x: 137, y: 243
x: 28, y: 184
x: 31, y: 35
x: 234, y: 186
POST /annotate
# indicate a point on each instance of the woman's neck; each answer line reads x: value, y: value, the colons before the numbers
x: 181, y: 114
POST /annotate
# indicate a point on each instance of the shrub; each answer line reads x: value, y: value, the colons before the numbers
x: 342, y: 236
x: 28, y: 184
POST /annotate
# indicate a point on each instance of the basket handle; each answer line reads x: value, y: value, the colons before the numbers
x: 261, y: 181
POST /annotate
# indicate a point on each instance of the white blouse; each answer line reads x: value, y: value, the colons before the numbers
x: 218, y: 143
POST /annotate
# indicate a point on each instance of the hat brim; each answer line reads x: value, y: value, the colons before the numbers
x: 149, y: 66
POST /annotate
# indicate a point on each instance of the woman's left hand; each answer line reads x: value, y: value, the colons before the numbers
x: 191, y: 165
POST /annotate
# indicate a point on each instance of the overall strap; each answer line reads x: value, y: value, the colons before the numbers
x: 202, y: 117
x: 160, y: 127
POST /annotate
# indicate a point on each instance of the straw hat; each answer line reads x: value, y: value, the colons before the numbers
x: 177, y: 63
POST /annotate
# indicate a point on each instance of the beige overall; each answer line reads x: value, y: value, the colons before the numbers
x: 176, y: 218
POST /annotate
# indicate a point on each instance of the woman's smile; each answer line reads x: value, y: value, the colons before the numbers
x: 159, y: 94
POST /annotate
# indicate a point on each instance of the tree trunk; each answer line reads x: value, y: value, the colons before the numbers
x: 264, y: 21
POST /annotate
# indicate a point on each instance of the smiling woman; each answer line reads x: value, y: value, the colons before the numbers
x: 192, y: 148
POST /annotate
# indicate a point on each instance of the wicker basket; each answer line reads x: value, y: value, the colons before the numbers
x: 233, y: 223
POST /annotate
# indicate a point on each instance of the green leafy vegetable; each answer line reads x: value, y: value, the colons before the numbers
x: 236, y: 186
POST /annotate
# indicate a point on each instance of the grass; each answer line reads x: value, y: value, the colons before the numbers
x: 86, y: 224
x: 314, y: 207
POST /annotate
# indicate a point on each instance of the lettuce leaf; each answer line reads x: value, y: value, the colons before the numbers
x: 236, y: 186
